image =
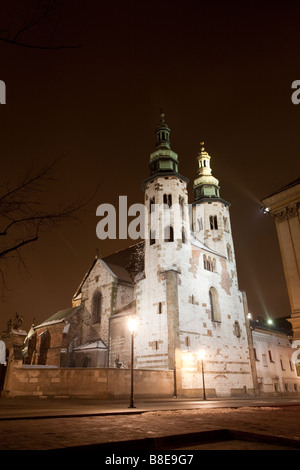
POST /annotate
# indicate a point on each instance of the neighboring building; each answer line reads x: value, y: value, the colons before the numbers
x: 284, y: 206
x: 180, y: 284
x: 52, y: 342
x: 275, y: 369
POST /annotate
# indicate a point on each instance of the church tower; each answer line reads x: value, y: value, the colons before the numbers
x: 188, y: 298
x: 211, y: 218
x: 166, y: 200
x: 166, y: 249
x: 206, y: 185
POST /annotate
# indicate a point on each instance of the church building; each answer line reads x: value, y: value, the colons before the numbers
x: 180, y: 284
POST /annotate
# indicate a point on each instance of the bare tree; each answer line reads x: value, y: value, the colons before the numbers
x: 33, y: 24
x: 24, y: 216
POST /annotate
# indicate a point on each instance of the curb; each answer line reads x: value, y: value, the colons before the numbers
x: 138, y: 411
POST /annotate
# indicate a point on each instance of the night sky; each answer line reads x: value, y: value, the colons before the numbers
x: 221, y: 71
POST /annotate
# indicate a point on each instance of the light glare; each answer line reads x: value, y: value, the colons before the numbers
x: 201, y: 354
x: 132, y: 325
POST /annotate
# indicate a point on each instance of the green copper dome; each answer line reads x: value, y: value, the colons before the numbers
x: 163, y: 159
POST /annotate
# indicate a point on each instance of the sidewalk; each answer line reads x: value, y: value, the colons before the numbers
x: 24, y: 408
x: 110, y: 426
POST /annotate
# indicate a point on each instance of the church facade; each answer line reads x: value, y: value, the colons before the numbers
x: 180, y: 284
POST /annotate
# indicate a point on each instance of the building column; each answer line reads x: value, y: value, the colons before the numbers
x: 174, y: 353
x: 250, y: 344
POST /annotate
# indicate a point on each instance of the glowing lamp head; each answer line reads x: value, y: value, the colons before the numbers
x: 201, y: 354
x: 132, y: 325
x: 270, y: 321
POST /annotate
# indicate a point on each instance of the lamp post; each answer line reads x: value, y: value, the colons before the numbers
x: 201, y: 355
x: 132, y: 324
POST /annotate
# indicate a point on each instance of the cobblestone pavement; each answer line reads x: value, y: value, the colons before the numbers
x: 63, y: 432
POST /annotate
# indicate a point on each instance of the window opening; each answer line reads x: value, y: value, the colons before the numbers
x: 152, y: 237
x: 213, y: 221
x: 96, y: 308
x: 169, y: 234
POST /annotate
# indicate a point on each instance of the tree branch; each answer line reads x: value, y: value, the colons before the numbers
x: 35, y: 46
x: 30, y: 180
x: 24, y: 215
x: 39, y: 18
x: 17, y: 246
x: 36, y: 18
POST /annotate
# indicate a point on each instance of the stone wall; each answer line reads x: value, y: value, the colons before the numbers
x: 101, y: 281
x: 87, y: 383
x: 120, y: 340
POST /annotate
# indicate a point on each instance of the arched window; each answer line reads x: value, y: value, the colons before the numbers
x: 152, y: 204
x: 226, y: 225
x: 183, y: 235
x: 44, y: 346
x: 213, y: 222
x: 169, y: 234
x: 237, y: 329
x: 215, y: 314
x: 167, y: 199
x: 96, y: 307
x: 152, y: 236
x: 200, y: 224
x: 181, y: 203
x: 229, y: 252
x: 209, y: 264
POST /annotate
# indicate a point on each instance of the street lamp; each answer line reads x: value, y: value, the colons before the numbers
x: 132, y: 324
x: 201, y: 355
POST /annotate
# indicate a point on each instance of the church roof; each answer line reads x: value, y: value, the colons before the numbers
x: 118, y: 271
x: 124, y: 264
x: 96, y: 344
x: 58, y: 317
x: 131, y: 259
